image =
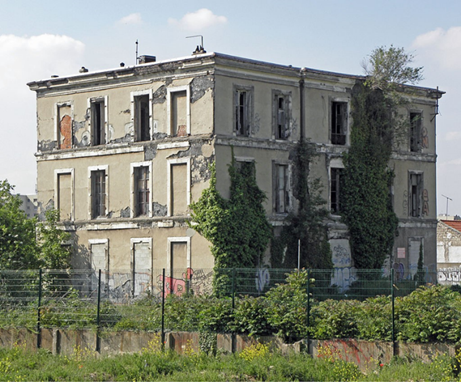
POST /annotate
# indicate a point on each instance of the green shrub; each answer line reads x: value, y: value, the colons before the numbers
x: 335, y: 319
x: 250, y: 317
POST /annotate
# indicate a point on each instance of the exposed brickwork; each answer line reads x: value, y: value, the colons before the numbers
x: 65, y: 129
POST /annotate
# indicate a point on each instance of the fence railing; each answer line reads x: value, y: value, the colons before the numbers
x: 136, y: 300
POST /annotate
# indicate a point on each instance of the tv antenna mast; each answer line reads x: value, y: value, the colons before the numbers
x: 446, y: 211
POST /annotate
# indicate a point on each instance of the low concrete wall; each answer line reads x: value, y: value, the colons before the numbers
x: 363, y: 353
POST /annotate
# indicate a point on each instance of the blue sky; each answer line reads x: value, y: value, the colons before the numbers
x: 41, y: 38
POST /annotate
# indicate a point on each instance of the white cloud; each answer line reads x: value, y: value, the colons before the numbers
x: 25, y: 59
x: 201, y: 19
x: 134, y: 18
x: 443, y: 46
x: 453, y: 135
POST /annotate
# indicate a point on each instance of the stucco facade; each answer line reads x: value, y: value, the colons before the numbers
x: 123, y: 152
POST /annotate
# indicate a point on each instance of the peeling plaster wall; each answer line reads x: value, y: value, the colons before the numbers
x: 448, y: 246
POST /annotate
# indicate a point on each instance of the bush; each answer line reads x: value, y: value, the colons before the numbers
x: 250, y: 317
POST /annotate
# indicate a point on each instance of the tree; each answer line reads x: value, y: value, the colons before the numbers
x: 366, y: 201
x: 52, y: 254
x: 389, y: 67
x: 27, y: 243
x: 18, y: 247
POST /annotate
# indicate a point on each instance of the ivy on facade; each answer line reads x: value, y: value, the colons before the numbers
x: 366, y: 199
x: 306, y: 224
x: 237, y: 227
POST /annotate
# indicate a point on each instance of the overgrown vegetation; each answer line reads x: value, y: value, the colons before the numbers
x: 256, y: 363
x: 366, y: 201
x: 306, y: 224
x: 429, y: 314
x: 237, y: 227
x: 27, y: 243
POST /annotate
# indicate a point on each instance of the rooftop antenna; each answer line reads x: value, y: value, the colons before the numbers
x: 446, y: 211
x: 136, y: 62
x: 200, y: 49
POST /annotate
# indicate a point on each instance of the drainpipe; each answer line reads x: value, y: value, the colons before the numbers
x: 302, y: 73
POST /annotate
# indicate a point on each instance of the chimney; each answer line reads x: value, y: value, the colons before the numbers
x: 146, y: 59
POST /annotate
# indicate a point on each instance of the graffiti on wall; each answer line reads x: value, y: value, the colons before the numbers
x: 196, y: 282
x: 424, y: 138
x: 425, y: 202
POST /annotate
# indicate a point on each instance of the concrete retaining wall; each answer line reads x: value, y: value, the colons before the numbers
x: 363, y: 353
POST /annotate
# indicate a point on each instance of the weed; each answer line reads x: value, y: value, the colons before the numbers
x: 254, y: 351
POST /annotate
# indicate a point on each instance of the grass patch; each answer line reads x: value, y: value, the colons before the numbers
x: 256, y: 363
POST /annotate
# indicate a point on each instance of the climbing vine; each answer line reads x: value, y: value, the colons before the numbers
x: 366, y: 201
x: 307, y: 223
x: 237, y: 227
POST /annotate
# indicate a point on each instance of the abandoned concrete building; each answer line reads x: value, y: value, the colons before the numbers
x: 123, y: 152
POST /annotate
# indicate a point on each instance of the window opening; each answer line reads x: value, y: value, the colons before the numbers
x: 242, y: 113
x: 98, y: 192
x: 415, y: 194
x: 281, y: 188
x: 142, y: 191
x: 141, y: 119
x: 415, y: 132
x: 98, y: 123
x: 338, y: 123
x: 335, y: 189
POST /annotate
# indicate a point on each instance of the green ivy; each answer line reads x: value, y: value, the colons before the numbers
x: 237, y: 228
x: 366, y: 200
x: 307, y: 224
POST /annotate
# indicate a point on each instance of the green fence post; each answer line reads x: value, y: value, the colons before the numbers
x: 308, y: 310
x: 233, y: 288
x: 39, y: 329
x: 394, y: 352
x: 163, y: 310
x: 233, y: 339
x: 98, y: 313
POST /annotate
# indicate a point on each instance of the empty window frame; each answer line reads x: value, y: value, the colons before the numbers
x: 243, y: 110
x: 98, y: 120
x: 178, y: 186
x: 98, y: 200
x: 142, y: 115
x: 415, y: 131
x: 338, y: 130
x: 64, y: 193
x: 335, y: 189
x: 281, y: 183
x: 63, y: 132
x: 415, y: 194
x: 178, y: 110
x: 281, y: 114
x: 141, y: 189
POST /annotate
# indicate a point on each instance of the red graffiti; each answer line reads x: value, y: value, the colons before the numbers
x: 176, y: 286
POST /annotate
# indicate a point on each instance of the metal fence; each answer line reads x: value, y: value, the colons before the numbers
x: 125, y: 300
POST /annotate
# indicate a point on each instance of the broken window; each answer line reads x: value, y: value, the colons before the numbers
x: 141, y: 118
x: 415, y: 194
x: 142, y: 190
x: 98, y: 194
x: 64, y: 126
x: 98, y: 128
x: 281, y: 185
x: 415, y: 132
x: 335, y: 189
x: 242, y: 104
x: 281, y: 107
x: 338, y: 123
